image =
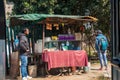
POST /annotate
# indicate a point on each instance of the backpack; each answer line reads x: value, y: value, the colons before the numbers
x: 103, y: 44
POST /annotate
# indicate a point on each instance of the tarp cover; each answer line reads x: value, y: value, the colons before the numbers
x: 47, y: 18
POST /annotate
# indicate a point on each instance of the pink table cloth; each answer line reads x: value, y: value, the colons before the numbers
x: 69, y: 58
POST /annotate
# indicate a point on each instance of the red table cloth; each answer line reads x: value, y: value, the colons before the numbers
x: 69, y: 58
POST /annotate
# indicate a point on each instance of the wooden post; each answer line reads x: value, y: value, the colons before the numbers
x: 43, y: 40
x: 73, y: 69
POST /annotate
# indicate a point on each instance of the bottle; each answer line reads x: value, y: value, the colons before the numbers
x: 89, y: 65
x: 69, y: 31
x: 67, y: 43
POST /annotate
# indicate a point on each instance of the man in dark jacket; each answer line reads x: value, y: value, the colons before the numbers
x: 24, y: 51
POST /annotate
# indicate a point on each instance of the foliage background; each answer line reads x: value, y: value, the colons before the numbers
x: 98, y: 8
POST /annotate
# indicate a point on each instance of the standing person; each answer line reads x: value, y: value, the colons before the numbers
x: 24, y: 51
x: 101, y: 45
x: 16, y: 44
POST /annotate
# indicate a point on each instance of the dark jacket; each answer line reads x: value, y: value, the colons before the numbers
x: 23, y: 44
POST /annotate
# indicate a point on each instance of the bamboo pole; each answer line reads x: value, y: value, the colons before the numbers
x: 43, y: 40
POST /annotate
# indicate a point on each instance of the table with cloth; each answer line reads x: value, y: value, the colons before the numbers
x: 68, y: 58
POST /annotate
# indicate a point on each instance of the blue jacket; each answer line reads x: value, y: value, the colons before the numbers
x: 99, y: 36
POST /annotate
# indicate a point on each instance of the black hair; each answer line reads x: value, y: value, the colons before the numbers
x: 24, y: 29
x: 99, y: 31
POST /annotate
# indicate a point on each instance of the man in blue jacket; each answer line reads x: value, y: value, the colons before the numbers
x: 101, y: 45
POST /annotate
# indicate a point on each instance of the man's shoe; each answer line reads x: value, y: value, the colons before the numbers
x: 24, y: 78
x: 100, y: 69
x: 29, y: 77
x: 106, y: 68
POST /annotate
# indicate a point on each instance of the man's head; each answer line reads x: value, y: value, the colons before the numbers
x: 98, y: 32
x: 25, y: 31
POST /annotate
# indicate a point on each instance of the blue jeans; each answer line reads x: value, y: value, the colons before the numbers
x: 102, y: 58
x: 24, y: 62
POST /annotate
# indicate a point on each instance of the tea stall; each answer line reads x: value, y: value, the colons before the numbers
x: 60, y: 41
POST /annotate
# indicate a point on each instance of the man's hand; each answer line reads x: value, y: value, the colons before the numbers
x: 27, y: 50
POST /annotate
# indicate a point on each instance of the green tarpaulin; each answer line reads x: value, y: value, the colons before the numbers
x: 47, y: 18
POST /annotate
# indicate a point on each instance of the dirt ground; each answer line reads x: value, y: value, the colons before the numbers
x: 93, y: 74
